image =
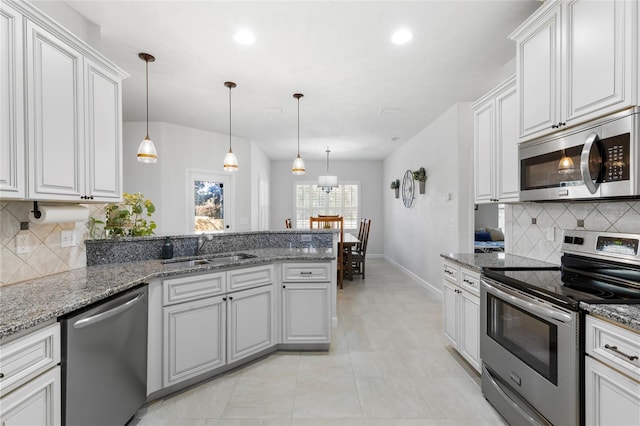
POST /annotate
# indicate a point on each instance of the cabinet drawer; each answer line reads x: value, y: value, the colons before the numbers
x: 185, y: 289
x: 26, y: 357
x: 306, y: 272
x: 250, y: 277
x: 470, y: 281
x: 450, y: 272
x: 615, y: 346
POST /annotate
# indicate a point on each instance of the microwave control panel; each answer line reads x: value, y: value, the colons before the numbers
x: 616, y: 158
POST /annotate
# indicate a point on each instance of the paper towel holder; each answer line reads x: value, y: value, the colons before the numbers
x: 36, y: 213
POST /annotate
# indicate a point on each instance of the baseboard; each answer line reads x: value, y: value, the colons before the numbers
x: 430, y: 287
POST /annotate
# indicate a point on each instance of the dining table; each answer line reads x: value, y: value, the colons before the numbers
x: 348, y: 243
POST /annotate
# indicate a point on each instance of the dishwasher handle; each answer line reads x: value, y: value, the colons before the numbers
x: 86, y: 322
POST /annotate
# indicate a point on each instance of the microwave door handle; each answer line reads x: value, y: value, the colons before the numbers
x: 528, y: 304
x: 584, y: 163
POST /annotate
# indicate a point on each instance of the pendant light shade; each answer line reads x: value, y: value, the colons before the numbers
x: 327, y: 182
x: 298, y: 164
x: 147, y: 150
x: 565, y: 166
x: 230, y: 160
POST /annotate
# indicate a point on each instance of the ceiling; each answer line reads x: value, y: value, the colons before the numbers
x: 337, y: 53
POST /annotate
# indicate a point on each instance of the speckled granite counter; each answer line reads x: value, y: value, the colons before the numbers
x: 30, y: 303
x: 477, y: 261
x: 627, y: 315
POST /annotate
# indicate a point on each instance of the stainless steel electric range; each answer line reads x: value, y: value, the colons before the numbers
x: 531, y: 332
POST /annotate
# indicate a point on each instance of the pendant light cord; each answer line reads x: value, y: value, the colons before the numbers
x: 229, y: 117
x: 298, y: 127
x: 328, y: 151
x: 147, y: 87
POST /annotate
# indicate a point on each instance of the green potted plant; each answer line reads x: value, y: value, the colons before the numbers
x: 421, y: 176
x: 395, y: 184
x: 130, y: 218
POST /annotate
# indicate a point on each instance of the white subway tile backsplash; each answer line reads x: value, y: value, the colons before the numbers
x: 530, y: 240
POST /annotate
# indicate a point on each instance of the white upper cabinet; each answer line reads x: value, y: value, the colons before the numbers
x: 55, y: 109
x: 575, y: 62
x: 496, y: 145
x: 72, y: 126
x: 12, y: 167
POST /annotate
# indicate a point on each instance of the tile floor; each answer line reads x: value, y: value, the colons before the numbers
x: 388, y: 365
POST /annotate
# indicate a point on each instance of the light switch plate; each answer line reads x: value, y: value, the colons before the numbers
x: 551, y: 233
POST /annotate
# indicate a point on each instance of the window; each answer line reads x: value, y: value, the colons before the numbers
x: 311, y: 201
x: 209, y: 201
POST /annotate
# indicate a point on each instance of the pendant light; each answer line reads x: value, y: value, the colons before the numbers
x: 230, y: 160
x: 327, y: 182
x: 565, y: 166
x: 298, y: 164
x: 147, y: 150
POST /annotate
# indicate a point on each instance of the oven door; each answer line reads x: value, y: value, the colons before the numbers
x: 529, y: 349
x: 589, y: 162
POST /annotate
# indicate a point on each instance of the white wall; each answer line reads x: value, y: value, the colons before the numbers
x: 486, y: 216
x: 165, y: 182
x: 372, y: 192
x: 77, y: 24
x: 415, y: 237
x: 260, y: 191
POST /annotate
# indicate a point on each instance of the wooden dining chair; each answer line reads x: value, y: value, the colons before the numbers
x: 359, y: 252
x: 287, y: 223
x: 336, y: 222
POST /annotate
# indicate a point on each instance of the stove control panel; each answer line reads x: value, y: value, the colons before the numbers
x: 614, y: 246
x: 627, y: 246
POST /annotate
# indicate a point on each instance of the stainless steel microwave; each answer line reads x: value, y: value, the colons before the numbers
x: 599, y: 159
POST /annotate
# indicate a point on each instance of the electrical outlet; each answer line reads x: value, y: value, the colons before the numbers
x: 22, y: 243
x: 67, y: 238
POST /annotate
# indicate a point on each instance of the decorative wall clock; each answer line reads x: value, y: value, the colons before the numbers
x: 407, y: 189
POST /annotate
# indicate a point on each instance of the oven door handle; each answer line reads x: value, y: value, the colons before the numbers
x: 529, y: 304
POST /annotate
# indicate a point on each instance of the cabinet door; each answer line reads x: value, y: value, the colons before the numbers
x: 506, y: 144
x: 103, y: 127
x: 469, y: 316
x: 193, y: 339
x: 250, y: 315
x: 610, y: 397
x: 36, y: 403
x: 598, y: 58
x: 12, y: 143
x: 306, y: 313
x: 55, y: 117
x: 538, y: 68
x: 450, y: 312
x: 484, y: 164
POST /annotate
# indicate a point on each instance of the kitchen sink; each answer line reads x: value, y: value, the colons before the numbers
x: 209, y: 260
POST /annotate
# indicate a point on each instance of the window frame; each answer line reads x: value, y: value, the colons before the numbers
x: 323, y: 210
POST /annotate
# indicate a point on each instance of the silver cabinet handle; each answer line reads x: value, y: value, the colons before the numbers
x: 306, y: 273
x: 584, y: 163
x: 618, y: 351
x: 107, y: 314
x: 471, y: 283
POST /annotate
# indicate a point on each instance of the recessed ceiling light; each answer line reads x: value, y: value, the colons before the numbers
x: 245, y: 37
x: 401, y: 36
x: 392, y: 110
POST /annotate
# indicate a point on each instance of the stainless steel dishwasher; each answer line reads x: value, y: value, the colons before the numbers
x: 104, y: 361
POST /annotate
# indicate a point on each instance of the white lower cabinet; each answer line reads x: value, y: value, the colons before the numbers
x: 251, y: 322
x: 306, y: 303
x: 305, y: 309
x: 30, y: 383
x: 36, y: 403
x: 194, y: 338
x: 612, y: 374
x: 461, y: 311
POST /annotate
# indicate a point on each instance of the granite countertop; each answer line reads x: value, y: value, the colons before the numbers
x: 478, y: 261
x: 30, y: 303
x: 627, y: 315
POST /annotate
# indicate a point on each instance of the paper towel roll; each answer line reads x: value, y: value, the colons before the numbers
x: 58, y: 214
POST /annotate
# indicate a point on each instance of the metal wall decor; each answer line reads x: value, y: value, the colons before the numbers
x: 408, y: 189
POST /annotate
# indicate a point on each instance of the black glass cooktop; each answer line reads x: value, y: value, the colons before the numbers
x: 579, y: 280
